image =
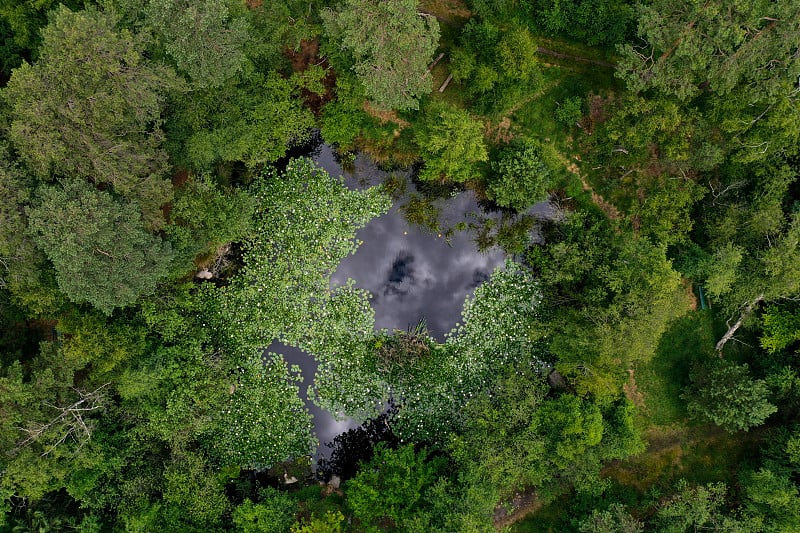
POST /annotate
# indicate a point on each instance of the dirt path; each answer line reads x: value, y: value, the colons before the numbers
x: 523, y: 504
x: 608, y: 208
x: 553, y: 53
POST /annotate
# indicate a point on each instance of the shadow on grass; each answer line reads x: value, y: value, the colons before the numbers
x: 663, y: 379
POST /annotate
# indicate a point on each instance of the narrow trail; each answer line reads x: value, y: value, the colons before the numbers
x: 553, y: 53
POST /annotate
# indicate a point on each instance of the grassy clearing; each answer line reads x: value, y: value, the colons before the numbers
x: 662, y: 379
x: 677, y: 447
x: 699, y: 454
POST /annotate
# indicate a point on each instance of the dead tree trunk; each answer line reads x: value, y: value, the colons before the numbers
x: 732, y: 329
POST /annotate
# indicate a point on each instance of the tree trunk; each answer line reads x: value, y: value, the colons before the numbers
x: 732, y: 329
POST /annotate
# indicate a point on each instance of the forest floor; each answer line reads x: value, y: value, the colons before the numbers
x: 522, y: 505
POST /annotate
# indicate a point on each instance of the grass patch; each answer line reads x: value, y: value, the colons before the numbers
x: 549, y: 519
x: 662, y: 379
x: 700, y: 454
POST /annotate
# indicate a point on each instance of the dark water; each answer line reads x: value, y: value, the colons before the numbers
x: 412, y: 272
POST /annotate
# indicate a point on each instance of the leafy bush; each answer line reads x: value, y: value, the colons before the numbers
x: 521, y: 175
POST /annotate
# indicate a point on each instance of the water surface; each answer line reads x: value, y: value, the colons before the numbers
x: 412, y: 272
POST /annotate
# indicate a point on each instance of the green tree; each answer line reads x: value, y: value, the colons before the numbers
x: 330, y: 522
x: 772, y: 497
x: 781, y: 328
x: 392, y: 486
x: 700, y: 508
x: 743, y: 53
x: 25, y: 18
x: 89, y: 108
x: 274, y: 513
x: 613, y: 520
x: 497, y: 68
x: 254, y: 121
x: 599, y: 287
x: 725, y: 393
x: 205, y: 216
x: 521, y: 175
x: 193, y: 495
x: 392, y: 43
x: 203, y: 39
x: 98, y: 245
x: 24, y: 271
x: 451, y: 143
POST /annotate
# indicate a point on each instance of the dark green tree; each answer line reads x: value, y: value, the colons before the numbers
x: 24, y: 271
x: 392, y: 486
x: 696, y: 508
x: 725, y: 393
x: 613, y: 520
x: 98, y: 245
x: 25, y: 18
x: 204, y: 40
x: 392, y: 43
x: 89, y: 108
x: 743, y: 53
x: 254, y: 121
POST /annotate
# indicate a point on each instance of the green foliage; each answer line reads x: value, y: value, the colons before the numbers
x: 638, y: 125
x: 391, y: 43
x: 343, y: 119
x: 594, y: 22
x: 272, y: 514
x: 93, y: 118
x: 521, y: 175
x: 451, y: 143
x: 47, y: 424
x: 613, y: 520
x: 517, y: 437
x: 601, y: 288
x: 742, y: 56
x: 664, y: 206
x: 498, y: 68
x: 725, y: 393
x: 254, y: 121
x: 701, y: 507
x: 781, y: 329
x: 773, y: 498
x: 392, y: 486
x: 571, y: 427
x: 25, y: 272
x: 100, y: 250
x: 569, y: 111
x: 25, y: 18
x: 722, y: 269
x: 194, y: 497
x: 205, y: 216
x: 94, y: 339
x: 330, y: 522
x: 202, y: 38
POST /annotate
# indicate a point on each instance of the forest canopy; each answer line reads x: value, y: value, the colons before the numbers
x: 169, y: 235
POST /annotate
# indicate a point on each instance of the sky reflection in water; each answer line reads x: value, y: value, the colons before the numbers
x: 411, y: 272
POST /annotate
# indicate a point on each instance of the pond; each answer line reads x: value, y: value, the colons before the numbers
x: 414, y: 272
